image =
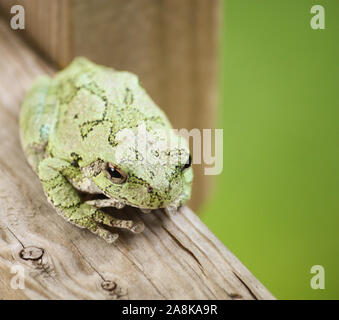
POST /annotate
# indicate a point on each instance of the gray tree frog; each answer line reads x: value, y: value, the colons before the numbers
x: 78, y: 133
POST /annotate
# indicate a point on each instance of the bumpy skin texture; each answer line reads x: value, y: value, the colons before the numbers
x: 77, y: 125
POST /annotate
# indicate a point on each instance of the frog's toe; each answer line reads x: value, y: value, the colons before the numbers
x: 111, y: 237
x: 145, y: 210
x: 107, y: 235
x: 138, y: 227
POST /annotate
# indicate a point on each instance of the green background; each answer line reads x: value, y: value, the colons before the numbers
x: 276, y: 202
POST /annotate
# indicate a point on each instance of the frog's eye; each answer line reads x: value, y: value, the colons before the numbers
x: 116, y: 174
x: 187, y: 164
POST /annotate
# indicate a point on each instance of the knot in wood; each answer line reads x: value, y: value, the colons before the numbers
x: 108, y: 285
x: 31, y: 253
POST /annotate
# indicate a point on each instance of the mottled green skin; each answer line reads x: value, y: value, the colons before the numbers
x: 75, y: 123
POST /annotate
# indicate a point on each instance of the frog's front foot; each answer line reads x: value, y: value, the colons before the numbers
x: 104, y: 203
x: 110, y: 221
x: 133, y: 226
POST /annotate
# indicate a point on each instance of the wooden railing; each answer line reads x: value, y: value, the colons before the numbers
x: 176, y: 257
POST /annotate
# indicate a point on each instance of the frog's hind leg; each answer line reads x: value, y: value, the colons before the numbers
x: 68, y: 203
x: 37, y: 117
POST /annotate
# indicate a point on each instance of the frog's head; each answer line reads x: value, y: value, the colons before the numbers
x: 153, y: 173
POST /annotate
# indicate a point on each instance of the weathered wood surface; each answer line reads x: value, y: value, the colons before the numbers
x: 47, y: 25
x: 171, y: 44
x: 176, y: 257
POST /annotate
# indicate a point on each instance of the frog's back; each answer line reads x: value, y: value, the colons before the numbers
x: 94, y: 92
x: 94, y: 104
x: 78, y: 105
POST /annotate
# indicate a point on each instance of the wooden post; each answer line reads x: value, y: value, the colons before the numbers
x: 170, y: 44
x: 176, y: 257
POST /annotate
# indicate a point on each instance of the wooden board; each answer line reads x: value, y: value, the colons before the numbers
x: 176, y: 257
x: 170, y: 44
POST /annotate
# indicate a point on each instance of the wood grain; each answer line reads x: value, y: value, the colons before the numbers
x: 176, y: 257
x: 172, y: 45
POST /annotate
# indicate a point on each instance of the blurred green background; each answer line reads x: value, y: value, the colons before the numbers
x: 276, y: 202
